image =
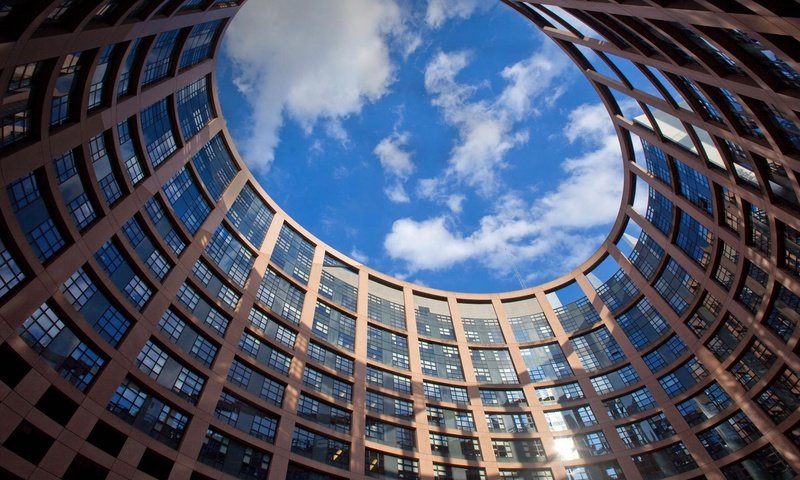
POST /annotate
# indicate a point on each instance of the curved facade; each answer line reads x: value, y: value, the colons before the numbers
x: 160, y: 315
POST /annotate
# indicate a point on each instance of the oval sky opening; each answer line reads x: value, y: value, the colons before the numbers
x: 458, y: 150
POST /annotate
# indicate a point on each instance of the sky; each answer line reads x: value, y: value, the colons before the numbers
x: 456, y: 148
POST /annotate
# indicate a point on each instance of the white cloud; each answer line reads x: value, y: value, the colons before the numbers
x: 336, y: 131
x: 309, y: 64
x: 397, y: 165
x: 358, y: 255
x: 488, y: 129
x: 455, y: 203
x: 440, y: 11
x: 593, y: 179
x: 394, y: 159
x: 396, y: 192
x: 556, y: 229
x: 428, y: 244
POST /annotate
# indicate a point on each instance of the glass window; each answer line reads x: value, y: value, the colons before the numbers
x: 671, y: 460
x: 198, y: 45
x: 34, y: 218
x: 230, y: 255
x: 438, y: 392
x: 98, y: 311
x: 387, y: 347
x: 386, y: 312
x: 215, y: 167
x: 250, y: 215
x: 546, y: 362
x: 650, y: 430
x: 339, y: 283
x: 164, y: 225
x: 440, y: 360
x: 293, y: 254
x: 130, y: 152
x: 125, y: 86
x: 149, y: 413
x: 704, y: 405
x: 764, y: 463
x: 436, y: 325
x: 615, y: 380
x: 322, y: 382
x: 64, y: 90
x: 334, y: 327
x: 272, y: 328
x: 493, y: 366
x: 233, y: 457
x: 100, y: 77
x: 17, y: 118
x: 482, y: 330
x: 194, y: 107
x: 597, y: 349
x: 677, y: 287
x: 281, y: 296
x: 265, y: 354
x: 10, y: 272
x: 103, y: 169
x: 157, y: 133
x: 629, y: 404
x: 642, y: 324
x: 159, y: 61
x: 530, y: 328
x: 122, y: 275
x: 320, y: 448
x: 56, y: 343
x: 255, y: 382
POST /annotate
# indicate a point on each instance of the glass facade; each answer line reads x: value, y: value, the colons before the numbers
x: 156, y: 302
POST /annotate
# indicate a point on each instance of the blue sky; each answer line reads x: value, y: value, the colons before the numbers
x: 453, y: 147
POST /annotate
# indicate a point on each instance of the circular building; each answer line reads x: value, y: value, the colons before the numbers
x: 161, y: 316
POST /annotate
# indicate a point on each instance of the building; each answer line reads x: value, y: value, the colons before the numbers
x: 161, y: 316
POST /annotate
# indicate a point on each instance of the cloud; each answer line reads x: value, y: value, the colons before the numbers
x: 488, y: 129
x: 455, y: 203
x: 358, y: 255
x: 557, y: 229
x: 394, y: 160
x: 320, y: 63
x: 440, y: 11
x: 397, y: 165
x: 396, y: 193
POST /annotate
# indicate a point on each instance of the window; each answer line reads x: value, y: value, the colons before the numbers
x: 130, y: 152
x: 440, y: 360
x: 148, y: 413
x: 186, y: 200
x: 198, y: 45
x: 293, y: 254
x: 250, y: 215
x: 386, y: 312
x: 387, y: 347
x: 47, y: 334
x: 230, y: 255
x: 320, y: 447
x: 10, y: 273
x: 194, y: 107
x: 334, y: 327
x: 546, y: 362
x: 104, y: 317
x: 597, y: 349
x: 215, y: 167
x: 159, y: 60
x: 281, y: 296
x: 33, y: 216
x: 157, y: 132
x: 104, y: 171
